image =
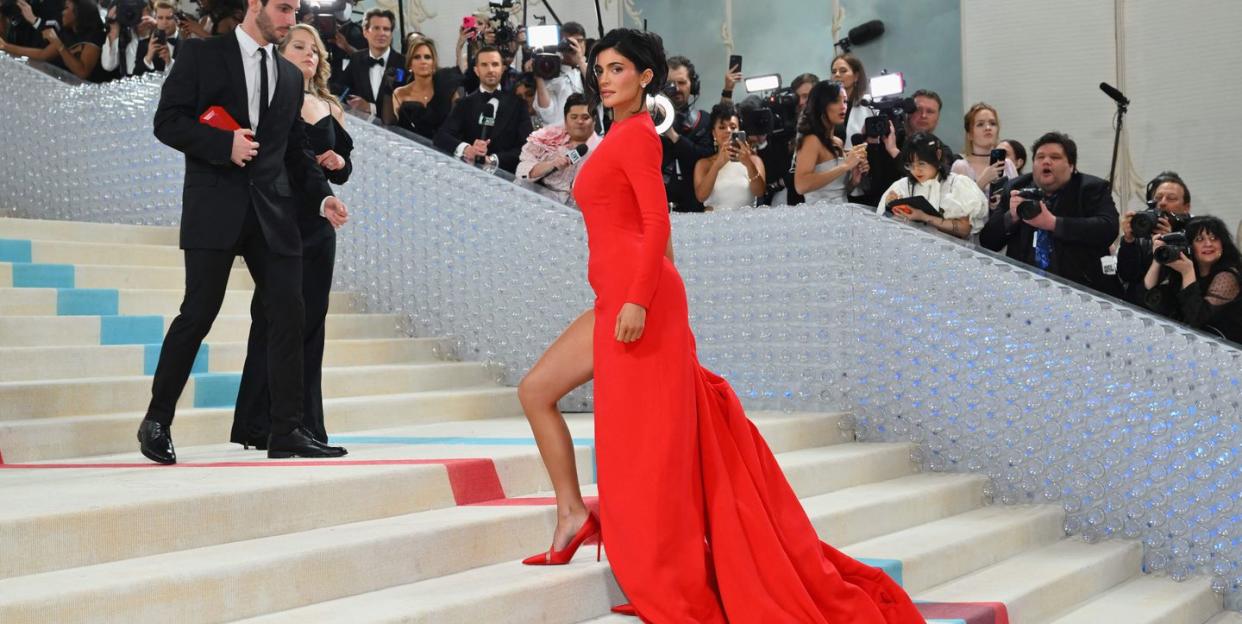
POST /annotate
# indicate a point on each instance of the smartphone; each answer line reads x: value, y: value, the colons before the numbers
x: 470, y: 24
x: 161, y: 37
x: 997, y: 155
x: 735, y: 61
x: 738, y: 136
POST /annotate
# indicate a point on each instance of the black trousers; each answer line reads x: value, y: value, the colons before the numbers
x: 251, y: 419
x: 278, y: 280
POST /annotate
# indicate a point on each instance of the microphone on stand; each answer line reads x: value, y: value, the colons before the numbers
x: 486, y: 123
x: 863, y: 33
x: 1114, y: 93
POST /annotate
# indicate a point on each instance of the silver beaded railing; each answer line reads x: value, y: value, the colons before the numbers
x: 1130, y: 422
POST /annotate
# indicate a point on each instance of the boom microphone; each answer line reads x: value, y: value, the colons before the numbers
x: 863, y: 33
x: 1112, y: 92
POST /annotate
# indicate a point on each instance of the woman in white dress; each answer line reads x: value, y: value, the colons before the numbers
x: 963, y: 206
x: 734, y: 177
x: 822, y: 165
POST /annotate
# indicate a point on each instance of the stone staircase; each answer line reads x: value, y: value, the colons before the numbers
x: 442, y: 493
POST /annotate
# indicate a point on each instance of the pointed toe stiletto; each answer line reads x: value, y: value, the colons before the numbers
x: 589, y: 529
x: 625, y: 609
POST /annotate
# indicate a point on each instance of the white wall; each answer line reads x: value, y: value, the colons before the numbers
x: 1040, y: 64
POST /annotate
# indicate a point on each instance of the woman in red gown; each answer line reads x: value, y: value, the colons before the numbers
x: 700, y: 523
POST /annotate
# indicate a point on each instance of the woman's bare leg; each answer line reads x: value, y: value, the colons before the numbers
x: 566, y: 365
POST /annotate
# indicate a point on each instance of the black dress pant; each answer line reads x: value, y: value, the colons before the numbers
x: 251, y: 420
x: 278, y: 280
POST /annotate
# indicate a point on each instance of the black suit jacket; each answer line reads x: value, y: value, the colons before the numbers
x: 1087, y: 223
x: 507, y: 137
x: 140, y: 64
x: 357, y: 77
x: 217, y: 194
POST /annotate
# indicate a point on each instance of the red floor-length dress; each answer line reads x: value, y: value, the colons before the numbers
x: 699, y: 522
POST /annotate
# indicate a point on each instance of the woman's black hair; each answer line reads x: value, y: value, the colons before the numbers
x: 813, y: 120
x: 86, y: 20
x: 721, y: 111
x: 644, y: 49
x: 1019, y: 153
x: 928, y: 148
x: 1230, y: 257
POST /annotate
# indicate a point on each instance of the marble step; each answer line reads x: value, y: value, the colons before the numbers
x: 129, y: 301
x: 42, y: 439
x: 53, y: 251
x: 39, y: 331
x: 1149, y: 600
x: 1043, y: 583
x: 107, y: 276
x: 73, y: 362
x: 44, y: 229
x: 104, y: 395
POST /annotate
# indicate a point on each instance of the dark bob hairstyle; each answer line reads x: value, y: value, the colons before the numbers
x: 644, y: 49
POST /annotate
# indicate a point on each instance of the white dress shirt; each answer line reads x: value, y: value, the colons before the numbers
x: 559, y: 89
x: 376, y: 72
x: 250, y: 65
x: 110, y: 56
x: 172, y: 51
x: 957, y: 196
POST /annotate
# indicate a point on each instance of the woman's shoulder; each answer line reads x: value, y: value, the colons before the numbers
x: 639, y: 129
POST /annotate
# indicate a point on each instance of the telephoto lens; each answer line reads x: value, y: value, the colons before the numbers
x: 1175, y: 244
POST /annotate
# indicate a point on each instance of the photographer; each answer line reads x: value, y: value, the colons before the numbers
x: 552, y: 93
x: 119, y: 55
x: 688, y: 140
x: 822, y: 165
x: 552, y: 155
x: 422, y: 105
x: 1196, y: 279
x: 926, y: 115
x: 963, y: 207
x: 1168, y: 199
x: 363, y: 85
x: 159, y: 50
x: 216, y: 17
x: 1066, y: 221
x: 734, y: 177
x: 490, y: 126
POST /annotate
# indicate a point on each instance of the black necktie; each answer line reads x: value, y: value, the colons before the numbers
x: 262, y: 84
x: 377, y: 61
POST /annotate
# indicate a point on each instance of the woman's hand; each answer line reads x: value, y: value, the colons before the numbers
x: 990, y: 174
x: 723, y: 155
x: 855, y: 156
x: 630, y: 322
x: 331, y: 161
x: 27, y: 12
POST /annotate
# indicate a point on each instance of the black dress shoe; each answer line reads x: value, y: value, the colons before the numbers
x: 299, y: 443
x: 156, y: 443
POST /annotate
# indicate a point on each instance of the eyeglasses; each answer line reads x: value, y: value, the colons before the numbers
x: 918, y: 164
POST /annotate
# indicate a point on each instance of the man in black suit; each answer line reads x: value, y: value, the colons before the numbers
x: 365, y: 73
x: 238, y: 200
x: 156, y: 53
x: 1077, y: 220
x: 488, y: 126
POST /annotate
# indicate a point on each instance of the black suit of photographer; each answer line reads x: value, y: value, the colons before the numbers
x: 693, y: 143
x: 357, y: 77
x: 1087, y: 224
x: 229, y: 210
x: 1133, y: 260
x: 157, y: 62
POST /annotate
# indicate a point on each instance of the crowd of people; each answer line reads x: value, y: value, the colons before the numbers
x: 499, y: 104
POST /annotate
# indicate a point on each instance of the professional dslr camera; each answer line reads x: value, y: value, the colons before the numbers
x: 885, y: 92
x: 1029, y: 209
x: 1175, y: 244
x: 1142, y: 224
x: 547, y: 49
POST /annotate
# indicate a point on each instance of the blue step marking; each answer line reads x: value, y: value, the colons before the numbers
x: 87, y: 301
x: 151, y: 358
x: 34, y: 275
x: 117, y: 330
x: 216, y: 389
x: 15, y: 250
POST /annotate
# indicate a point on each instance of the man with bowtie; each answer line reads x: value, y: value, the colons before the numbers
x: 364, y: 75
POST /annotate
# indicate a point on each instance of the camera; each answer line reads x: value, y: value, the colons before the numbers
x: 1030, y: 209
x: 885, y: 93
x: 1175, y: 244
x: 505, y: 32
x: 129, y: 12
x: 1142, y: 224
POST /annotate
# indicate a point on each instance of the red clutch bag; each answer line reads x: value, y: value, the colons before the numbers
x: 218, y: 118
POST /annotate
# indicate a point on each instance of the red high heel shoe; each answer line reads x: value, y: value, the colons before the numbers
x: 589, y: 529
x: 625, y: 609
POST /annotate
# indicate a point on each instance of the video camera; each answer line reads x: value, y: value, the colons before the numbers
x: 885, y: 92
x: 1142, y: 224
x: 328, y: 14
x: 502, y: 10
x: 546, y: 47
x: 776, y: 115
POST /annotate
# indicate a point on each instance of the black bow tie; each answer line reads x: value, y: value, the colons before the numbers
x: 376, y: 61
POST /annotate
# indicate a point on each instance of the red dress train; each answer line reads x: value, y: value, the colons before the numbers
x: 700, y: 524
